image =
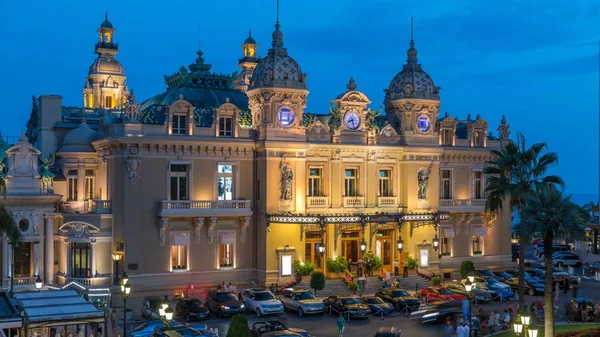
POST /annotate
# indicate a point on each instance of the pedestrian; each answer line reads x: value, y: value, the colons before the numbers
x: 272, y: 288
x: 341, y: 324
x: 448, y: 329
x: 397, y: 284
x: 405, y: 270
x: 253, y: 284
x: 231, y: 287
x: 467, y: 329
x: 350, y: 265
x: 575, y: 290
x: 460, y: 331
x: 584, y: 312
x: 597, y: 312
x: 396, y: 267
x: 360, y: 264
x: 492, y: 321
x: 383, y: 283
x: 368, y: 267
x: 481, y: 314
x: 540, y: 308
x: 505, y: 318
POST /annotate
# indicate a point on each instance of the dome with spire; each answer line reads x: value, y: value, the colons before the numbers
x: 106, y: 64
x: 278, y: 69
x: 412, y: 81
x: 79, y: 139
x: 250, y: 39
x: 106, y: 24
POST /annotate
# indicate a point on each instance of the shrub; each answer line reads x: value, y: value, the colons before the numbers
x: 317, y: 281
x: 466, y: 267
x: 353, y: 287
x: 337, y: 265
x: 304, y: 268
x: 375, y: 261
x: 239, y: 327
x: 411, y: 262
x: 436, y: 281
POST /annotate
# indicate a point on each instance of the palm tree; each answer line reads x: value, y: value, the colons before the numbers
x: 515, y: 172
x: 548, y: 212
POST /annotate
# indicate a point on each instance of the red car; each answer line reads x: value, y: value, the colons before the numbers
x: 438, y: 293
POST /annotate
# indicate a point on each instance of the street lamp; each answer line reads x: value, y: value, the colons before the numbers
x: 116, y: 257
x: 521, y: 325
x: 125, y: 290
x: 469, y: 287
x: 400, y: 244
x: 514, y: 240
x: 532, y: 332
x: 38, y: 283
x: 471, y: 279
x: 363, y: 246
x: 518, y: 327
x: 436, y: 242
x: 321, y: 248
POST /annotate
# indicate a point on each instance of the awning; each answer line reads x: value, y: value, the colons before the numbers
x: 9, y: 316
x: 479, y: 231
x: 448, y: 232
x: 57, y: 307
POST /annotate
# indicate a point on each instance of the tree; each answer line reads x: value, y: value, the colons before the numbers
x: 466, y: 267
x: 549, y: 212
x: 239, y: 327
x: 317, y: 281
x: 515, y: 172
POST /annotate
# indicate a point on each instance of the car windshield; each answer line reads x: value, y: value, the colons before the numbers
x: 263, y: 296
x: 346, y: 301
x: 399, y: 293
x: 444, y: 291
x: 374, y: 300
x: 304, y: 295
x: 226, y: 297
x: 186, y: 331
x: 194, y: 304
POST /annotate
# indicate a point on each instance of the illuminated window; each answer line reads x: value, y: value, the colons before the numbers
x: 225, y: 182
x: 108, y: 102
x: 447, y: 137
x: 179, y: 182
x: 225, y: 127
x: 446, y: 192
x: 477, y: 138
x: 72, y: 184
x: 286, y: 116
x: 81, y: 259
x: 350, y: 184
x: 226, y: 248
x: 23, y: 254
x: 478, y: 185
x: 445, y: 246
x: 385, y: 183
x: 315, y: 180
x: 179, y: 251
x: 476, y: 244
x: 89, y: 184
x: 179, y: 125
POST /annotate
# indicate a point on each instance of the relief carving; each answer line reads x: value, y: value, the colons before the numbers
x: 162, y: 232
x: 245, y: 223
x: 211, y: 229
x: 198, y: 224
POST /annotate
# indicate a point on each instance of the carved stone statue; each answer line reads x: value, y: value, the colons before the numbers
x: 287, y: 176
x: 133, y: 169
x: 47, y: 176
x: 423, y: 179
x: 504, y: 129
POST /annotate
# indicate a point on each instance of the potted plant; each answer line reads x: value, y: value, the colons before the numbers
x: 376, y: 262
x: 446, y: 254
x: 466, y: 267
x: 303, y: 268
x: 336, y: 266
x: 353, y: 287
x: 411, y: 262
x: 239, y: 327
x: 317, y: 281
x: 477, y: 252
x: 436, y: 281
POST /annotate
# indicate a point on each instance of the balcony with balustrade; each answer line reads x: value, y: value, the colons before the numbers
x: 97, y: 281
x: 352, y: 202
x: 92, y: 206
x: 462, y: 205
x: 317, y: 202
x: 387, y: 202
x: 204, y: 208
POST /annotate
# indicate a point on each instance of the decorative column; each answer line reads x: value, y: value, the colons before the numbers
x: 211, y: 229
x: 68, y: 264
x: 80, y: 183
x: 36, y: 258
x: 162, y: 232
x: 93, y: 252
x: 49, y: 249
x: 9, y: 256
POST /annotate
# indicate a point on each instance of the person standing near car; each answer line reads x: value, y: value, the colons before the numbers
x: 396, y: 267
x: 341, y: 324
x: 461, y: 331
x: 448, y: 329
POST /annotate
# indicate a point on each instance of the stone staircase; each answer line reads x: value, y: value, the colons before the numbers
x: 339, y: 287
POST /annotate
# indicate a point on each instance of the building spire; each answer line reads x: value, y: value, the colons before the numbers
x: 277, y: 12
x: 277, y: 34
x: 412, y: 52
x: 199, y: 35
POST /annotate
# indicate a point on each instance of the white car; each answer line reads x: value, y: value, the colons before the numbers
x: 567, y: 260
x: 262, y: 302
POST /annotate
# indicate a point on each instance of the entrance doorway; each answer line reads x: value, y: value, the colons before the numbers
x: 311, y: 248
x: 424, y: 258
x: 350, y: 245
x: 383, y: 247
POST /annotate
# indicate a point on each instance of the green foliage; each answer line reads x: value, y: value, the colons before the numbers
x: 466, y: 267
x: 317, y: 281
x: 245, y: 120
x: 353, y: 287
x: 308, y: 119
x: 436, y: 281
x: 376, y: 262
x: 239, y: 327
x: 411, y: 262
x: 336, y: 118
x: 304, y: 268
x: 371, y: 119
x: 337, y: 265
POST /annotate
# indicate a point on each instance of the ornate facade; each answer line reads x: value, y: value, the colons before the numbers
x: 224, y: 177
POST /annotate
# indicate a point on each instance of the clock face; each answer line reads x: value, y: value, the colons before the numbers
x: 286, y: 116
x: 423, y: 123
x: 352, y: 120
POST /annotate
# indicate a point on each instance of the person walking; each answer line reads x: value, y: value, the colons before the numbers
x: 448, y: 329
x: 341, y: 324
x: 467, y: 329
x: 396, y: 267
x: 360, y: 264
x: 584, y: 312
x: 405, y: 270
x: 575, y: 290
x: 350, y: 265
x: 461, y: 331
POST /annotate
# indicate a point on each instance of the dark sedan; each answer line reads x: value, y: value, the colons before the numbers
x: 191, y: 309
x: 531, y: 287
x: 377, y: 305
x: 224, y: 303
x: 399, y: 298
x: 440, y: 312
x: 388, y: 331
x: 486, y: 273
x: 260, y: 329
x: 347, y: 305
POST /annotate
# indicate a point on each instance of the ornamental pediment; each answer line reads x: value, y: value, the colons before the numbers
x: 77, y: 229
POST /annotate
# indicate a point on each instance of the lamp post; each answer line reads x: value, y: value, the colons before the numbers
x: 321, y: 248
x: 469, y: 286
x: 400, y: 244
x: 521, y: 325
x: 165, y: 312
x: 436, y: 242
x: 38, y: 283
x: 116, y: 257
x: 363, y: 246
x: 125, y: 290
x: 514, y: 240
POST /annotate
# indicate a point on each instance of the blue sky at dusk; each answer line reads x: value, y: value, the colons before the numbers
x: 535, y: 61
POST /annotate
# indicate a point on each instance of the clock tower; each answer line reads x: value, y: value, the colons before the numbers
x: 350, y: 115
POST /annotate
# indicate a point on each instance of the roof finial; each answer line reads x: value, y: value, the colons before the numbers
x: 351, y: 86
x: 277, y: 12
x: 199, y: 35
x: 412, y: 52
x: 411, y: 29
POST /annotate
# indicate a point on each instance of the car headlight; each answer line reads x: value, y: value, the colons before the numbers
x: 432, y: 315
x: 225, y: 307
x: 242, y: 306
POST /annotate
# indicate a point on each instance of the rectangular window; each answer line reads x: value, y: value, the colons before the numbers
x: 286, y: 265
x: 445, y: 246
x: 179, y: 182
x: 109, y: 102
x: 446, y: 182
x: 447, y: 137
x: 72, y: 184
x: 385, y: 183
x: 22, y: 259
x: 477, y: 138
x: 179, y: 125
x: 89, y: 184
x: 350, y: 182
x: 225, y: 182
x: 226, y: 248
x: 476, y: 245
x: 478, y: 185
x: 315, y: 180
x: 225, y: 127
x: 81, y: 259
x: 179, y: 251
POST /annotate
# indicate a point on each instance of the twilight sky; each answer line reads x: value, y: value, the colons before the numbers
x: 535, y: 61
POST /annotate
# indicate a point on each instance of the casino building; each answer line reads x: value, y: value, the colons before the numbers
x: 226, y: 178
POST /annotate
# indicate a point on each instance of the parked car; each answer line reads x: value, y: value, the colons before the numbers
x: 150, y: 307
x: 555, y: 249
x: 182, y: 331
x: 436, y: 294
x: 347, y: 304
x: 399, y: 298
x: 595, y: 267
x: 534, y: 264
x: 537, y: 241
x: 301, y: 301
x: 261, y: 302
x: 505, y: 275
x: 567, y: 260
x: 224, y: 303
x: 440, y: 312
x: 377, y: 305
x: 531, y: 287
x: 388, y: 331
x: 147, y: 328
x: 575, y: 306
x: 191, y: 309
x: 486, y: 273
x: 479, y: 294
x: 506, y: 294
x: 268, y: 328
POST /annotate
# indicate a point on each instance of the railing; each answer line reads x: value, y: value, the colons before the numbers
x: 317, y: 202
x: 354, y: 202
x: 86, y: 281
x: 462, y: 202
x: 204, y: 204
x: 86, y: 206
x: 100, y: 206
x: 387, y: 201
x: 19, y: 281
